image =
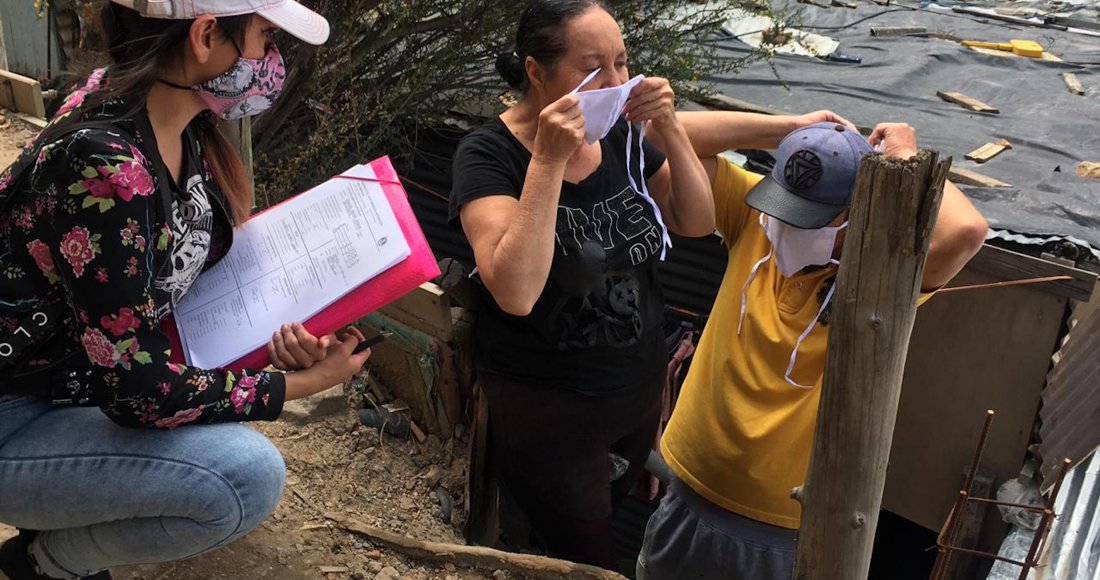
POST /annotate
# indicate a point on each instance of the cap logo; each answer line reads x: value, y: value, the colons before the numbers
x: 803, y: 169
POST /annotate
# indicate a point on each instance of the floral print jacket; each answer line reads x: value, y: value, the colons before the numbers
x: 85, y: 227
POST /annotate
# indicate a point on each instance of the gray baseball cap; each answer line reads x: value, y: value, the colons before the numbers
x: 814, y: 174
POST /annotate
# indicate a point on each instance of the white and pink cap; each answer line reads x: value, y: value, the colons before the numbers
x: 297, y: 20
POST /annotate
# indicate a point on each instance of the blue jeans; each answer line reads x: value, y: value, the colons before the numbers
x: 106, y: 496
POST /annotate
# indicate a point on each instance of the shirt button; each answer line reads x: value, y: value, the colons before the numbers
x: 798, y: 285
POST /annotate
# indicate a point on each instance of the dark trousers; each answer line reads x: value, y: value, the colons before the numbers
x: 554, y: 446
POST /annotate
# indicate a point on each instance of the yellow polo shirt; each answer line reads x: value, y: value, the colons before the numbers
x: 741, y: 435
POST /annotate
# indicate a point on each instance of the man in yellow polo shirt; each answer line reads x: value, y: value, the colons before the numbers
x: 741, y: 434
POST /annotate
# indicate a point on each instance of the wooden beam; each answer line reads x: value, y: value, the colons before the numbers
x: 482, y: 479
x: 427, y: 309
x: 894, y: 209
x: 720, y: 101
x: 1009, y: 54
x: 967, y: 102
x: 1089, y: 169
x: 989, y: 151
x: 891, y: 31
x: 1008, y: 265
x: 21, y: 94
x: 239, y: 133
x: 528, y: 565
x: 1073, y: 83
x: 38, y: 123
x: 970, y: 177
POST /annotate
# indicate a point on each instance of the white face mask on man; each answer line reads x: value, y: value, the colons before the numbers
x: 796, y: 248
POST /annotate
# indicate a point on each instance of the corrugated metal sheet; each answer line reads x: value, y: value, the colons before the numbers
x: 25, y: 37
x: 1073, y: 549
x: 691, y: 273
x: 1070, y: 415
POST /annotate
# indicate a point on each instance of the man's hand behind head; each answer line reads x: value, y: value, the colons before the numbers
x: 898, y: 139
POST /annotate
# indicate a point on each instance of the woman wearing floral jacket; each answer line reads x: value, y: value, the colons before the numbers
x: 108, y: 218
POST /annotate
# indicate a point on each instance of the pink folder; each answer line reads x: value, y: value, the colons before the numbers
x: 388, y: 286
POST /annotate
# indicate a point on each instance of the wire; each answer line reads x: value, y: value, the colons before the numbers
x: 425, y: 189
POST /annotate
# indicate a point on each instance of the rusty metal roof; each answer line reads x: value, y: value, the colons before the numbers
x: 1070, y: 415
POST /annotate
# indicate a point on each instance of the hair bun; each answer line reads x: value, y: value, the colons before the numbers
x: 511, y: 69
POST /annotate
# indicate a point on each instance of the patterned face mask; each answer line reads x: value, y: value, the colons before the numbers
x: 248, y: 88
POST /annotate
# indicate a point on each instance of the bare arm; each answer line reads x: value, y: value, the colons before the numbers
x: 513, y: 240
x: 960, y: 229
x: 681, y: 187
x: 959, y: 233
x: 712, y: 132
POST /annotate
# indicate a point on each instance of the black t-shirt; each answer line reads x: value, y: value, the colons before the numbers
x: 192, y: 217
x: 596, y: 328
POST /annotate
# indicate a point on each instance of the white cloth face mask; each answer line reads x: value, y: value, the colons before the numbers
x: 603, y: 107
x: 802, y: 337
x: 796, y: 248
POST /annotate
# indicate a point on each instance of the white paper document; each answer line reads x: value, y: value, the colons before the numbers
x: 287, y: 264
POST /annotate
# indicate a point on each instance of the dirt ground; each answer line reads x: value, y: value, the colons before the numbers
x: 334, y: 465
x: 13, y: 134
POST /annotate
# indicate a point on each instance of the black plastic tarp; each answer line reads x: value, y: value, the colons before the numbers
x: 1050, y: 129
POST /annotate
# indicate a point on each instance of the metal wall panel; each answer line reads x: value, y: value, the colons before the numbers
x: 1073, y: 549
x: 25, y: 38
x: 1070, y: 416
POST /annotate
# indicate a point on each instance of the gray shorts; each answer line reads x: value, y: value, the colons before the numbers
x: 690, y: 538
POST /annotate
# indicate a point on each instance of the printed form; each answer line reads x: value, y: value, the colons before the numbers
x: 289, y: 263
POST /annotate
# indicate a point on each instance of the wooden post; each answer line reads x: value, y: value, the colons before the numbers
x: 239, y: 134
x: 894, y: 208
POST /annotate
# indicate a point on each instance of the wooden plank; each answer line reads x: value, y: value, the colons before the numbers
x: 35, y: 122
x: 21, y: 94
x: 1073, y: 83
x: 841, y: 4
x: 523, y: 565
x: 1089, y: 169
x: 894, y: 207
x: 989, y: 151
x: 1007, y: 265
x: 1007, y: 54
x: 725, y: 103
x: 482, y: 478
x: 967, y: 102
x: 426, y: 309
x: 970, y: 177
x: 892, y: 31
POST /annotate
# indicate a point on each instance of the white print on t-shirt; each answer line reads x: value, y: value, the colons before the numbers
x: 616, y: 220
x: 192, y: 221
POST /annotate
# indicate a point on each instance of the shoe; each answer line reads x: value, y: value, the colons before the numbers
x: 16, y: 564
